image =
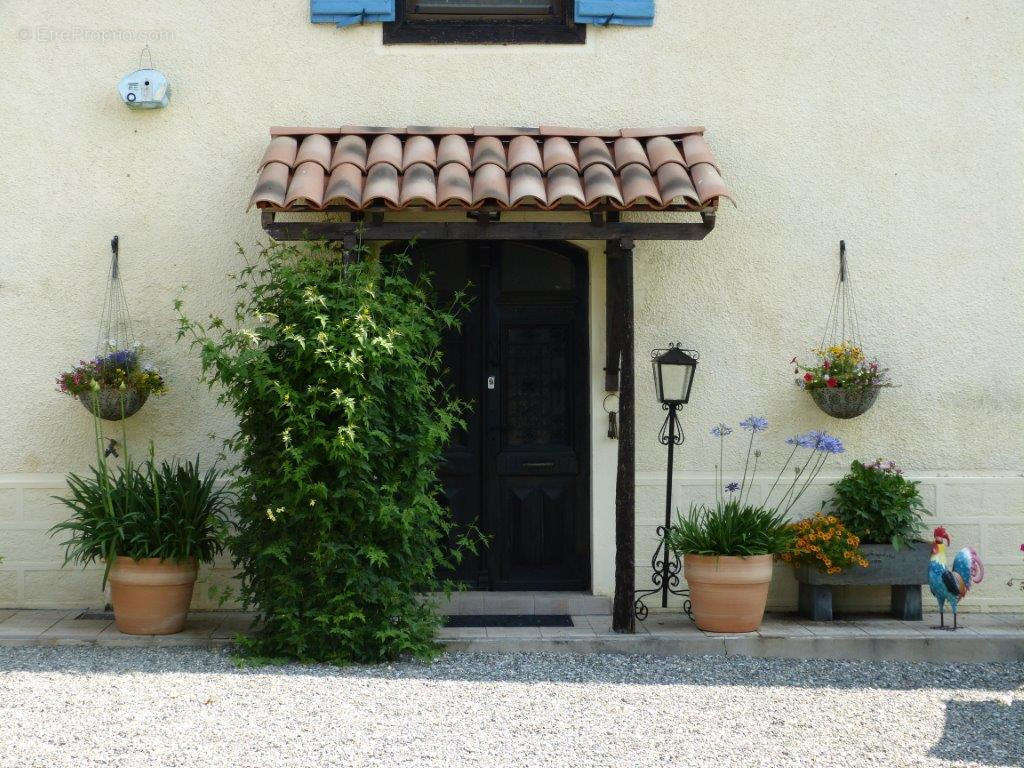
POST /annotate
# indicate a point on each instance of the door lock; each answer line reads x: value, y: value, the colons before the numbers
x: 490, y: 382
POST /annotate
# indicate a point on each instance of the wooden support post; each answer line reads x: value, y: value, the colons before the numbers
x: 620, y: 270
x: 612, y: 332
x: 906, y: 601
x: 815, y: 601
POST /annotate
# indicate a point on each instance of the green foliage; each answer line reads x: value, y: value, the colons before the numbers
x: 333, y: 368
x: 731, y: 528
x: 170, y: 511
x: 878, y: 505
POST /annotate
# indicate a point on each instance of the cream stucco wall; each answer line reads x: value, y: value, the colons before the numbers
x: 899, y: 127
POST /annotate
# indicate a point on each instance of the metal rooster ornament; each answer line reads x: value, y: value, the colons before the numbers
x: 951, y: 585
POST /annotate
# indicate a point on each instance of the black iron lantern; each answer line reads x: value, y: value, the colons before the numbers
x: 673, y: 374
x: 673, y: 377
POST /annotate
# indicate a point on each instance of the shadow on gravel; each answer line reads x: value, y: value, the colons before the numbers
x: 532, y: 668
x: 977, y: 732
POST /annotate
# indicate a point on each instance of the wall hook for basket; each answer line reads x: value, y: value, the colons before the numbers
x: 842, y: 261
x: 613, y: 421
x: 114, y: 247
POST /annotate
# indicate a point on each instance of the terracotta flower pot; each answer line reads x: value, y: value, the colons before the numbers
x: 728, y: 594
x: 151, y: 596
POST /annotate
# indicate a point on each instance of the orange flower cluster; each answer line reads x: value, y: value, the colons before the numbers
x: 824, y: 543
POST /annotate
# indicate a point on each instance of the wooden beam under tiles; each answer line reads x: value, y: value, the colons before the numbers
x: 484, y: 230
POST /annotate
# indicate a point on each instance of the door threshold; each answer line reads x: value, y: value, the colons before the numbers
x: 478, y: 602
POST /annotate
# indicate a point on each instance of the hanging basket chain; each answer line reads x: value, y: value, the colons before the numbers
x: 842, y: 323
x: 115, y: 331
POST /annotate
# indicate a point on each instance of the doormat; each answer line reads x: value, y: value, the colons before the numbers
x: 509, y: 620
x: 95, y: 616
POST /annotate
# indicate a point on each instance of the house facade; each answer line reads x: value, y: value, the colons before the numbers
x: 896, y: 129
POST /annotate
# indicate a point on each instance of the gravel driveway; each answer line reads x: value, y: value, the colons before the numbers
x: 175, y: 707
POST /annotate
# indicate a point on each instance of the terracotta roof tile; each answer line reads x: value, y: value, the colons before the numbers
x: 381, y: 184
x: 350, y: 149
x: 696, y: 150
x: 386, y: 148
x: 419, y: 149
x: 575, y: 133
x: 272, y: 185
x: 526, y: 186
x: 638, y: 186
x: 281, y: 149
x: 594, y: 150
x: 307, y: 185
x: 356, y: 167
x: 564, y: 186
x: 708, y: 182
x: 454, y: 149
x: 646, y: 133
x: 486, y: 130
x: 489, y: 149
x: 419, y: 185
x: 674, y: 185
x: 599, y: 185
x: 454, y: 186
x: 315, y: 148
x: 522, y: 150
x: 630, y: 151
x: 558, y: 151
x: 661, y: 150
x: 433, y: 130
x: 345, y: 187
x: 490, y: 185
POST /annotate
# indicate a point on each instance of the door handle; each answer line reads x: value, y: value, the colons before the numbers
x: 538, y: 464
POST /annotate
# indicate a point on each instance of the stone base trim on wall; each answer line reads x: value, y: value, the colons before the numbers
x: 983, y: 510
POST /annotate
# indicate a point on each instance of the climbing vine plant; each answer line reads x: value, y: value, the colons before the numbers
x: 332, y: 364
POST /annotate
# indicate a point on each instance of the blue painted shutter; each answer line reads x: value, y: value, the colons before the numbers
x: 346, y: 12
x: 636, y: 13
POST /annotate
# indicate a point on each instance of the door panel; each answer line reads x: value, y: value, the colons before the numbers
x: 535, y: 379
x: 455, y: 267
x: 520, y: 469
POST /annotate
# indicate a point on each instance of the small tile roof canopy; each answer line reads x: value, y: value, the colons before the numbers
x: 546, y: 168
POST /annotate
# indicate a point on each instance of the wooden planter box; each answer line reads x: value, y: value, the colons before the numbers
x: 903, y: 570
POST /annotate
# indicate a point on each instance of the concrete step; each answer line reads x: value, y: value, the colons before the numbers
x: 523, y: 603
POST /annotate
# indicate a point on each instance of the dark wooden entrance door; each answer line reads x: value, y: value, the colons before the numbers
x: 520, y: 470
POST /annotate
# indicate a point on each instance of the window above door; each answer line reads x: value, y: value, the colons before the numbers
x: 484, y: 21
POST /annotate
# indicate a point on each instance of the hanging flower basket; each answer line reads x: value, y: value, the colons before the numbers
x: 114, y: 384
x: 113, y: 404
x: 843, y: 403
x: 843, y: 382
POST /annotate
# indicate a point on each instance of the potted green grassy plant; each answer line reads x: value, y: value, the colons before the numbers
x: 152, y: 525
x: 728, y: 548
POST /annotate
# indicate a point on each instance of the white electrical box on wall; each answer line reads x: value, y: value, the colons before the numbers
x: 145, y: 88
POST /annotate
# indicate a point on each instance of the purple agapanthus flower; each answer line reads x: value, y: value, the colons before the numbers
x: 755, y: 423
x: 829, y: 444
x: 732, y: 487
x: 803, y: 441
x: 721, y: 430
x: 817, y: 440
